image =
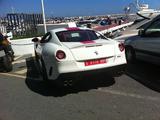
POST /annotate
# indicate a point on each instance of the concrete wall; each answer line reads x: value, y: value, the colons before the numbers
x: 23, y: 46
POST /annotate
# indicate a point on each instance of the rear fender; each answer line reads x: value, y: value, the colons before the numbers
x: 50, y: 60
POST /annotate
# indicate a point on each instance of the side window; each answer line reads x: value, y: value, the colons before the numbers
x: 46, y: 37
x: 92, y: 35
x: 155, y: 25
x: 154, y: 29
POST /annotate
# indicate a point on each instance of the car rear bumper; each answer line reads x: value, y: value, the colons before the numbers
x: 78, y: 66
x: 113, y: 66
x: 113, y: 71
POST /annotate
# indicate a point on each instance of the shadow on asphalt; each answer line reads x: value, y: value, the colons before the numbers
x: 86, y: 83
x: 145, y: 73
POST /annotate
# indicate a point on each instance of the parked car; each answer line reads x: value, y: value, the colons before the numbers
x: 6, y: 53
x: 76, y: 50
x: 146, y: 45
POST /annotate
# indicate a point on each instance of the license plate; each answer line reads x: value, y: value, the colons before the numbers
x: 95, y: 62
x: 2, y: 53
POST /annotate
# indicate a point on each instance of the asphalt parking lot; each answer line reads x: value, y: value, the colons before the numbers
x: 25, y: 67
x: 134, y: 95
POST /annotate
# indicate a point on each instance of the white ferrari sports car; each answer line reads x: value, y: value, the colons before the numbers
x: 77, y: 50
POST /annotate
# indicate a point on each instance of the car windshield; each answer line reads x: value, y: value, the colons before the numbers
x: 77, y: 36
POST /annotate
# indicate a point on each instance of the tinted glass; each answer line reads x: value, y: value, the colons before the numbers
x: 155, y: 25
x: 153, y: 30
x: 77, y: 36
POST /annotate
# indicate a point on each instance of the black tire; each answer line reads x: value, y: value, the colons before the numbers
x: 130, y: 55
x: 7, y: 63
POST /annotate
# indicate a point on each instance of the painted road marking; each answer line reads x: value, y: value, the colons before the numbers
x: 21, y: 71
x: 18, y: 57
x: 114, y: 92
x: 13, y: 75
x: 20, y: 68
x: 16, y: 61
x: 19, y: 61
x: 20, y: 76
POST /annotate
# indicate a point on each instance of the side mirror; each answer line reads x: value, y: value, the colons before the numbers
x: 35, y: 40
x: 141, y: 32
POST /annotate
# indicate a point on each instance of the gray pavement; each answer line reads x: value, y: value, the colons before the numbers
x: 134, y: 95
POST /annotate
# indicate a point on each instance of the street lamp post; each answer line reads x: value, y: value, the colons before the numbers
x: 44, y: 18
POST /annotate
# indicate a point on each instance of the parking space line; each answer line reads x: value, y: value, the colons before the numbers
x: 20, y: 76
x: 18, y: 57
x: 13, y: 75
x: 114, y: 92
x: 21, y: 71
x: 19, y: 61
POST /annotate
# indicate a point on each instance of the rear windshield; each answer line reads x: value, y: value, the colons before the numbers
x: 77, y: 36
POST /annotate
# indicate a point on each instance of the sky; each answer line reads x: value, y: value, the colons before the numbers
x: 70, y: 7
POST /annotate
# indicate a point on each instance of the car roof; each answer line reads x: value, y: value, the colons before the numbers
x: 69, y: 29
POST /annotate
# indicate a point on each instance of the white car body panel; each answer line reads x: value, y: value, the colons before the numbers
x: 91, y: 51
x: 77, y: 53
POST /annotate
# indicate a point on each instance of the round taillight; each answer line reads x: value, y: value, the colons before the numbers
x: 121, y: 47
x: 60, y: 54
